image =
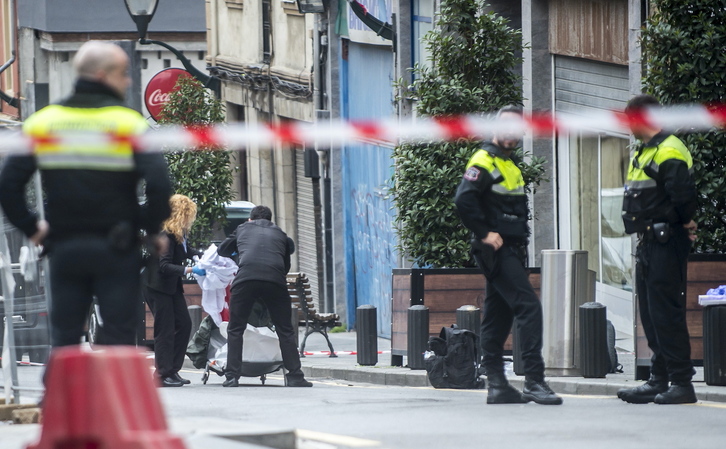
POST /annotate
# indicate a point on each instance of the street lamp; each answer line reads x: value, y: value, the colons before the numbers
x: 142, y: 11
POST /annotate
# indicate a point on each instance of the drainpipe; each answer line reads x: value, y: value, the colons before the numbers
x: 13, y: 37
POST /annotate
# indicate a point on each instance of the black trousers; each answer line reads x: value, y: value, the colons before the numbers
x: 86, y: 266
x: 661, y: 287
x: 510, y: 296
x: 172, y: 328
x: 278, y: 302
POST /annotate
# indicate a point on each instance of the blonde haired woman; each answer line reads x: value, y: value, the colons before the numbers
x: 164, y: 293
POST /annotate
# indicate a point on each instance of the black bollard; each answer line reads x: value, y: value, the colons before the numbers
x: 366, y: 334
x: 594, y: 358
x: 714, y: 344
x: 418, y: 336
x: 469, y: 317
x: 517, y: 362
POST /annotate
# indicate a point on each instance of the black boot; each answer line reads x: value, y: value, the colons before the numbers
x: 501, y: 392
x: 678, y: 393
x: 231, y: 382
x: 539, y: 392
x: 297, y: 379
x: 646, y: 392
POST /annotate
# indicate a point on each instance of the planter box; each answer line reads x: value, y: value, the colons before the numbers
x: 705, y: 271
x: 443, y: 290
x: 193, y: 295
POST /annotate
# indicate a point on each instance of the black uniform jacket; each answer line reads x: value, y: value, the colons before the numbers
x: 164, y: 273
x: 82, y: 201
x: 263, y: 252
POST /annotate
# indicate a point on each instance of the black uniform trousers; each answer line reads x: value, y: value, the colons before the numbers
x: 661, y: 287
x: 510, y: 295
x: 277, y: 300
x: 172, y: 329
x: 85, y: 266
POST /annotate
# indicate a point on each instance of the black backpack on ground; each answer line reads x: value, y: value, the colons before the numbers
x: 451, y: 360
x: 615, y: 367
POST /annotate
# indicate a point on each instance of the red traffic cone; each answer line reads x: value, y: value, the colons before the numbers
x: 104, y: 399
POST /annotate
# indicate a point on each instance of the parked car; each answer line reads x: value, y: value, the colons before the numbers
x: 30, y: 310
x: 237, y: 213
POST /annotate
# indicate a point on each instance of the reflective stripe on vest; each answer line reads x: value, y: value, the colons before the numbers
x: 650, y: 159
x: 55, y: 120
x: 511, y: 182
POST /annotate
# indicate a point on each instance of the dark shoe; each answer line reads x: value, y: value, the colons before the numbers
x: 501, y: 392
x: 231, y: 382
x: 298, y: 382
x: 181, y: 379
x: 540, y: 392
x: 505, y: 395
x: 170, y: 382
x: 681, y: 393
x: 645, y: 393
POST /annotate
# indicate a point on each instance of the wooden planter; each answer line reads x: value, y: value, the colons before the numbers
x: 193, y: 296
x: 443, y: 290
x: 705, y: 271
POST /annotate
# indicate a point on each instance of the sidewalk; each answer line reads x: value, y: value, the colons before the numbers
x: 317, y: 364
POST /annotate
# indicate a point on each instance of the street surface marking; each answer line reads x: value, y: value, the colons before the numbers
x: 334, y: 439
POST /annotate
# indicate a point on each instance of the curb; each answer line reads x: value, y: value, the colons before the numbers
x: 405, y: 377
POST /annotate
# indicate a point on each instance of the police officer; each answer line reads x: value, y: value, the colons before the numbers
x: 263, y: 256
x: 492, y: 203
x: 659, y: 205
x: 92, y: 208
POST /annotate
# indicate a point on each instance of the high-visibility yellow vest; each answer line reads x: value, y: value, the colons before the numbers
x: 505, y: 173
x: 90, y: 148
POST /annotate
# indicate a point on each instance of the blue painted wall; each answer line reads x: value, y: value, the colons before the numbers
x: 367, y: 79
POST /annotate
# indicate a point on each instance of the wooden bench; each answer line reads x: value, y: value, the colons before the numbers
x: 298, y: 286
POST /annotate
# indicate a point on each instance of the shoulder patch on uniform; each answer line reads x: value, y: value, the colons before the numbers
x: 472, y: 174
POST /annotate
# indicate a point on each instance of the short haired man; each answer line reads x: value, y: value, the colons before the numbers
x: 94, y: 218
x: 659, y: 206
x: 492, y: 203
x: 263, y: 256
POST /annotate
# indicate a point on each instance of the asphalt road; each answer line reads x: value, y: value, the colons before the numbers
x: 417, y: 418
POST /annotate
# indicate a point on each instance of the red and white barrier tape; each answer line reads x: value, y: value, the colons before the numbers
x: 327, y: 353
x: 336, y: 133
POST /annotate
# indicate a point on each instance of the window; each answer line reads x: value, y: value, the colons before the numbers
x: 422, y: 19
x: 266, y: 32
x: 598, y: 166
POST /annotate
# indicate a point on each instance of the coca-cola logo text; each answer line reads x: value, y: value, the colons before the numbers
x: 159, y: 89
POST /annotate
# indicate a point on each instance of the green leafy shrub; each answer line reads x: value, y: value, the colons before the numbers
x: 204, y: 176
x: 684, y: 54
x: 473, y: 57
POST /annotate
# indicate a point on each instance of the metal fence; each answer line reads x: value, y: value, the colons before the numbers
x: 24, y: 320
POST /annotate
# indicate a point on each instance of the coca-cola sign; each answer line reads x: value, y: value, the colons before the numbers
x: 158, y: 90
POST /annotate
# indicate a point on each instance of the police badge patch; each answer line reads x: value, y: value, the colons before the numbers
x: 472, y: 174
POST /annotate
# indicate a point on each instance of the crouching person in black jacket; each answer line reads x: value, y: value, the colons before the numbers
x: 264, y: 259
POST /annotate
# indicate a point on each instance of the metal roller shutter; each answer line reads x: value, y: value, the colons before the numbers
x: 583, y: 86
x: 305, y: 244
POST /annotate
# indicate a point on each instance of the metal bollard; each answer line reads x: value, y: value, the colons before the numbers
x: 295, y: 324
x: 469, y: 317
x: 195, y: 313
x: 714, y: 345
x: 418, y: 336
x: 517, y: 362
x: 594, y: 356
x: 366, y: 335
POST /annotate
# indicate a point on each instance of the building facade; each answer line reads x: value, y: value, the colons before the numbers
x: 50, y: 32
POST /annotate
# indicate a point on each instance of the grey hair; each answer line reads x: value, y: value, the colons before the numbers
x: 94, y: 57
